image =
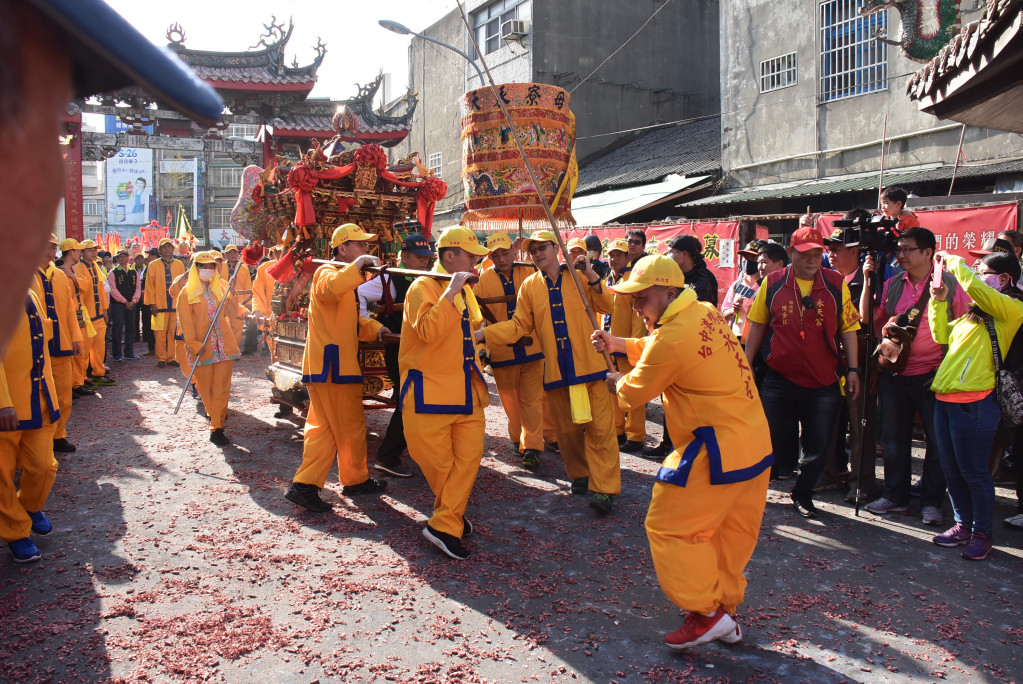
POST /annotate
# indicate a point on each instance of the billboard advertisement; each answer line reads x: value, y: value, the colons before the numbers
x: 130, y: 189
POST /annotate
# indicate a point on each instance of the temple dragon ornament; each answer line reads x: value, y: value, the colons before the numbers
x: 927, y: 25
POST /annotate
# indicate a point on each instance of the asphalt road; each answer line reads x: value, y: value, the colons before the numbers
x: 174, y: 560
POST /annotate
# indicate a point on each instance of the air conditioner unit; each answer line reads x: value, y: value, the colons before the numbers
x: 514, y: 30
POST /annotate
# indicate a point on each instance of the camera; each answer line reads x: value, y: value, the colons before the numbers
x: 880, y: 234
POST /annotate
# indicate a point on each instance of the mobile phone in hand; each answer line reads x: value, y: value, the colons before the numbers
x: 936, y: 275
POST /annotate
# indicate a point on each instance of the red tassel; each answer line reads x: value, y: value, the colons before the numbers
x: 252, y: 255
x: 284, y: 269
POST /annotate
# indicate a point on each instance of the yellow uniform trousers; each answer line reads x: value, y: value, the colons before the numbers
x: 63, y: 368
x: 521, y: 390
x: 550, y: 435
x: 81, y: 361
x: 214, y: 384
x: 336, y: 424
x: 633, y: 422
x: 448, y: 447
x: 588, y: 449
x: 165, y: 338
x: 31, y: 451
x: 95, y: 348
x: 703, y: 535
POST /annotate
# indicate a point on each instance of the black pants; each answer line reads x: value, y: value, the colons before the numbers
x: 147, y: 327
x: 902, y: 397
x: 394, y: 443
x: 122, y: 329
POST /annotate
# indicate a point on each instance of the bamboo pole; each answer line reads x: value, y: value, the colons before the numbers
x: 959, y: 155
x: 536, y: 184
x: 396, y: 271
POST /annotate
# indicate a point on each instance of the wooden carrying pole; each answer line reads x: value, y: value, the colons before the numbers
x: 536, y: 184
x: 395, y: 271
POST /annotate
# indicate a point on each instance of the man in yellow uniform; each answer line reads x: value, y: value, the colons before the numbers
x: 159, y: 276
x: 518, y: 371
x: 196, y: 309
x: 243, y: 282
x: 28, y: 411
x: 263, y: 287
x: 70, y: 254
x: 549, y: 307
x: 624, y: 322
x: 56, y: 293
x: 336, y: 423
x: 96, y: 301
x: 443, y: 393
x: 709, y: 495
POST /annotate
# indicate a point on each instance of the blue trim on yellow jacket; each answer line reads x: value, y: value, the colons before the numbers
x: 415, y: 378
x: 566, y: 360
x: 705, y: 436
x: 520, y: 353
x: 51, y: 312
x: 332, y: 369
x: 35, y: 330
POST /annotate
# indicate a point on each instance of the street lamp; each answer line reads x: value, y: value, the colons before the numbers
x: 403, y: 30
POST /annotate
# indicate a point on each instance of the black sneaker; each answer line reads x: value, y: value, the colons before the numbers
x: 104, y: 381
x: 466, y: 527
x: 173, y: 363
x: 602, y: 503
x: 219, y: 438
x: 161, y: 364
x: 195, y: 392
x: 530, y: 459
x: 370, y: 486
x: 516, y: 451
x: 804, y: 507
x: 656, y: 453
x: 64, y: 446
x: 630, y: 446
x: 449, y: 544
x: 394, y: 468
x: 553, y: 446
x: 307, y: 496
x: 580, y: 486
x: 622, y: 439
x: 83, y: 392
x: 283, y: 411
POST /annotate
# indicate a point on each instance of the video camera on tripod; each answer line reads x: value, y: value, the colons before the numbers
x: 879, y: 235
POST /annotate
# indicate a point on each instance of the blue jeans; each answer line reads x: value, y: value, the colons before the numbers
x: 903, y: 396
x: 964, y: 433
x: 123, y: 330
x: 788, y: 407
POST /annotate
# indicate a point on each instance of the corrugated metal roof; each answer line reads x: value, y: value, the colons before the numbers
x: 688, y: 149
x: 857, y: 182
x: 601, y: 207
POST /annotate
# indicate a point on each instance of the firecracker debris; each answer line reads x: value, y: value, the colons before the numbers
x: 174, y: 560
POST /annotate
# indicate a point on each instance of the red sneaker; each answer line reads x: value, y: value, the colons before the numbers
x: 700, y: 629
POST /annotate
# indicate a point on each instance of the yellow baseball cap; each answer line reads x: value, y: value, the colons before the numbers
x: 88, y: 244
x: 166, y: 241
x: 499, y: 241
x: 53, y: 238
x: 209, y: 257
x: 231, y: 247
x: 67, y: 244
x: 651, y: 270
x: 457, y: 236
x: 618, y: 245
x: 349, y: 232
x: 539, y: 236
x: 577, y: 243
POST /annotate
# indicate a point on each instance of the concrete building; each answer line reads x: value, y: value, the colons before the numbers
x: 805, y: 89
x: 667, y: 72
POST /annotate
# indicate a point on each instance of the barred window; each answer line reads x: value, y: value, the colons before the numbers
x: 226, y: 176
x: 778, y: 73
x: 436, y: 163
x: 853, y: 61
x: 220, y: 217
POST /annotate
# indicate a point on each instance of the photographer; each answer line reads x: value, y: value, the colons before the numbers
x: 903, y: 314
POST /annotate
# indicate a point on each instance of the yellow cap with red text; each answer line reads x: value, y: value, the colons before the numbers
x: 653, y: 269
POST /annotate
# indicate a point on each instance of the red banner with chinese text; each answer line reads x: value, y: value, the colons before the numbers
x: 958, y: 230
x: 719, y: 239
x: 74, y: 226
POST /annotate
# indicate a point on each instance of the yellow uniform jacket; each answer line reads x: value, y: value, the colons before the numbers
x: 26, y: 381
x: 710, y: 398
x: 93, y: 294
x: 194, y: 322
x: 263, y: 290
x: 334, y: 322
x: 244, y: 281
x: 437, y: 356
x: 57, y: 294
x: 622, y: 321
x: 555, y: 314
x: 493, y: 284
x: 159, y: 278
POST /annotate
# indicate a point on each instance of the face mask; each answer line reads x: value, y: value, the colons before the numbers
x: 991, y: 280
x: 751, y: 267
x: 205, y: 275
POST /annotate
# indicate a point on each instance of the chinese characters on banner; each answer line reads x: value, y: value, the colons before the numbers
x: 957, y: 231
x: 74, y: 225
x: 129, y: 187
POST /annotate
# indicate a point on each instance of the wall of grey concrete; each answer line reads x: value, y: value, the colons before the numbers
x: 789, y: 124
x: 668, y: 72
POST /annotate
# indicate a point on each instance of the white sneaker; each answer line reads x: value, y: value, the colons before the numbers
x: 932, y: 516
x: 883, y: 505
x: 1015, y: 522
x: 733, y: 637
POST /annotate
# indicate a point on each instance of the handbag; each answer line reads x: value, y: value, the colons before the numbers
x: 897, y: 336
x: 1008, y: 385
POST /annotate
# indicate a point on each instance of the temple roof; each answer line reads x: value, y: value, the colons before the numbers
x: 255, y: 67
x: 355, y: 120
